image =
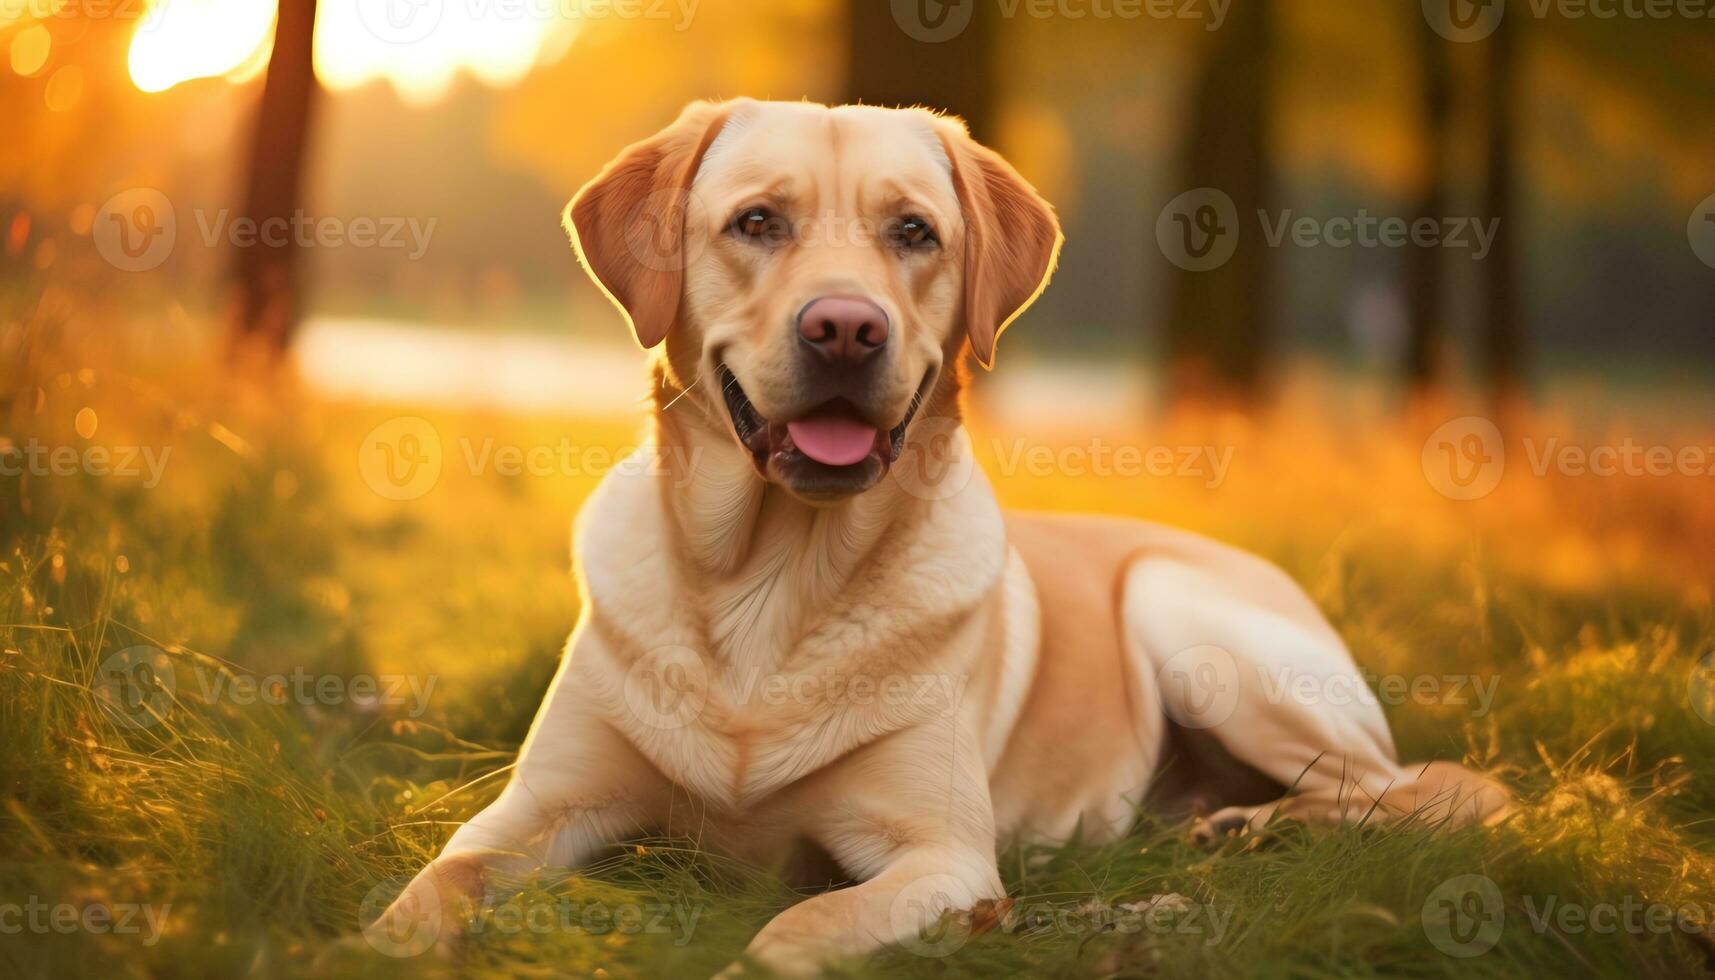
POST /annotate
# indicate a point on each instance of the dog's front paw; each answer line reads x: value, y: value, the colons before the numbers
x: 417, y: 922
x: 427, y: 914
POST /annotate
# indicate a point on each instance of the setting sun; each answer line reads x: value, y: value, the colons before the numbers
x: 181, y: 40
x: 418, y: 46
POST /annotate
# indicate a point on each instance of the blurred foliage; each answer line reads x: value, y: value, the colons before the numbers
x: 1615, y: 152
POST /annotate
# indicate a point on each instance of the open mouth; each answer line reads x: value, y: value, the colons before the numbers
x: 830, y: 452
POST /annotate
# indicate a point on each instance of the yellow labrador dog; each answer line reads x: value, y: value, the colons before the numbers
x: 797, y: 639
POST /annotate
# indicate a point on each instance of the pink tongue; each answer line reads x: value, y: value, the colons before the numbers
x: 833, y: 441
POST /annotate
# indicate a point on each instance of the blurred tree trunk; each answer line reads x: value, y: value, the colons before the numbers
x: 267, y: 274
x: 890, y: 66
x: 1218, y: 343
x: 1503, y: 339
x: 1426, y: 338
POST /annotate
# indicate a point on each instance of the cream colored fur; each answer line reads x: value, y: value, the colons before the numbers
x: 1044, y: 671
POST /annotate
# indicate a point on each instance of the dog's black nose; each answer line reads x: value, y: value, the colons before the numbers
x: 843, y: 329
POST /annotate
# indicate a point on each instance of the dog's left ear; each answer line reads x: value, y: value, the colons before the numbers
x: 1012, y: 239
x: 628, y: 224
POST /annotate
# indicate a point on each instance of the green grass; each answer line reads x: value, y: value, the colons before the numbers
x: 258, y: 830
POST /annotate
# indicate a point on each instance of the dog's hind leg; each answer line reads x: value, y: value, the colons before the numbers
x: 1241, y: 654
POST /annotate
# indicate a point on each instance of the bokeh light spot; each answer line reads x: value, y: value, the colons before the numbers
x: 65, y: 89
x: 30, y: 49
x: 182, y: 40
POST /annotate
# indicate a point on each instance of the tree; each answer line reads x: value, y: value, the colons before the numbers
x: 266, y: 274
x: 1218, y: 340
x: 1425, y: 338
x: 891, y: 64
x: 1503, y: 340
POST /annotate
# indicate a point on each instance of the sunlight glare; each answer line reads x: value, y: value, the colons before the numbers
x: 417, y: 46
x: 30, y: 49
x: 420, y: 49
x: 184, y: 39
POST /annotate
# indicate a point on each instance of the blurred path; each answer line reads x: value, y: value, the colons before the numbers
x: 399, y: 361
x: 403, y: 362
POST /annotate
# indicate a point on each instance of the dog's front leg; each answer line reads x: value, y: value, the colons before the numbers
x: 911, y: 814
x: 578, y: 785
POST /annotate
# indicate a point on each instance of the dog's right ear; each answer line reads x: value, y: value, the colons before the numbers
x: 628, y: 224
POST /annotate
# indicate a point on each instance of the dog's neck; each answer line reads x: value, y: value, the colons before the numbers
x: 765, y: 565
x: 728, y: 516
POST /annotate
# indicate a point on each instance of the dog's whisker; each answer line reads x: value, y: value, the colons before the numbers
x: 683, y: 392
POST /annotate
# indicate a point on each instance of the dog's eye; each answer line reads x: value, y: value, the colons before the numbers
x: 911, y: 232
x: 759, y: 225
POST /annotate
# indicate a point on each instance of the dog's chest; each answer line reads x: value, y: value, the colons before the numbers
x: 735, y: 736
x: 823, y: 639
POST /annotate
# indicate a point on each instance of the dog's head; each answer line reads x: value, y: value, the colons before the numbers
x: 815, y: 271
